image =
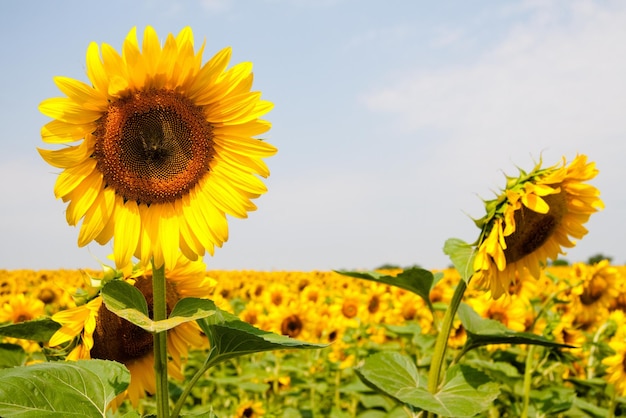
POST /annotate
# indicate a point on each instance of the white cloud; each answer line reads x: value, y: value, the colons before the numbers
x: 545, y: 80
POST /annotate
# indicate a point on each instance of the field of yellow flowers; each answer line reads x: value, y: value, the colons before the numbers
x: 581, y: 306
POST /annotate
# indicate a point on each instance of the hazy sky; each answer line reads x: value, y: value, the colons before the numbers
x: 392, y: 119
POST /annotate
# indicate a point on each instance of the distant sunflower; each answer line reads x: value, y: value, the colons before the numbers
x: 616, y: 363
x: 250, y: 409
x: 166, y: 147
x: 96, y: 332
x: 532, y: 220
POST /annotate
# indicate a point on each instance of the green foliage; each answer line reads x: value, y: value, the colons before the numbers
x: 231, y: 337
x: 462, y: 256
x: 465, y: 391
x: 11, y: 355
x: 61, y: 389
x: 481, y: 331
x: 416, y: 280
x: 128, y: 302
x: 595, y: 259
x: 39, y: 330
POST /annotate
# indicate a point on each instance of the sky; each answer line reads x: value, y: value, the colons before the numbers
x: 393, y: 120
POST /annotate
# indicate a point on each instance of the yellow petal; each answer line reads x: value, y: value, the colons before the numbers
x: 66, y: 110
x: 68, y: 156
x: 96, y: 217
x: 169, y: 234
x: 127, y: 228
x: 58, y: 132
x: 95, y: 69
x: 81, y: 93
x: 83, y: 197
x: 70, y: 178
x: 535, y: 203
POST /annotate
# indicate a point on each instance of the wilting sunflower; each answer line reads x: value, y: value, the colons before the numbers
x: 96, y: 332
x: 161, y: 147
x: 532, y: 220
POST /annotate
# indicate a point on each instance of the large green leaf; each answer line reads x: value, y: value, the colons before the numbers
x: 231, y: 337
x: 128, y: 302
x: 481, y: 331
x: 416, y: 280
x: 462, y: 256
x: 61, y: 389
x: 465, y: 392
x: 39, y: 330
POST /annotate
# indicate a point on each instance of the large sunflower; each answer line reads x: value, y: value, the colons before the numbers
x: 532, y: 220
x: 96, y: 332
x: 161, y: 147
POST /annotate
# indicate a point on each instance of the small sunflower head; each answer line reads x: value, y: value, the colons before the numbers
x: 532, y: 220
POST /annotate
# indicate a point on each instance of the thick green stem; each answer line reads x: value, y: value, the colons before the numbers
x: 441, y: 345
x: 159, y: 313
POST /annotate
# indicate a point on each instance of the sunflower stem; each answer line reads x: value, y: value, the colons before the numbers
x: 159, y: 313
x: 441, y: 344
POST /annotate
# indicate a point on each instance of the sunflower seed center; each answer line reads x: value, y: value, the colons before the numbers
x: 154, y: 146
x: 533, y: 229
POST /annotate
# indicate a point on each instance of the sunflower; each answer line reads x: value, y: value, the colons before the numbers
x: 160, y: 147
x: 21, y: 308
x: 593, y: 296
x: 250, y: 409
x: 616, y: 363
x: 96, y: 332
x: 532, y: 220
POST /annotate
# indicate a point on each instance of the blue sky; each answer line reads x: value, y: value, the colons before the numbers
x: 392, y: 119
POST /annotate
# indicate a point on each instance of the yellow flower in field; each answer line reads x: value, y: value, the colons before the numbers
x: 593, y: 297
x: 616, y: 363
x: 512, y: 311
x: 532, y: 220
x: 166, y: 147
x: 20, y: 308
x: 104, y: 335
x: 250, y: 409
x: 566, y: 332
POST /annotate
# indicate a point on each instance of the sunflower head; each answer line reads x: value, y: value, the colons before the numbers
x: 159, y: 147
x: 533, y: 219
x: 92, y: 331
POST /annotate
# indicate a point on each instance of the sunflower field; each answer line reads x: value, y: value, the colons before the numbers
x: 574, y: 367
x: 158, y: 150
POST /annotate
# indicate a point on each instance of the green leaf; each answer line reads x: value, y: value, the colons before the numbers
x: 128, y: 302
x: 391, y: 373
x: 462, y: 256
x: 61, y: 389
x: 11, y: 355
x: 550, y: 401
x: 416, y: 280
x: 481, y: 331
x: 465, y: 393
x: 231, y: 337
x: 39, y: 330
